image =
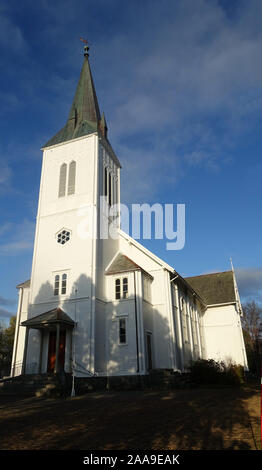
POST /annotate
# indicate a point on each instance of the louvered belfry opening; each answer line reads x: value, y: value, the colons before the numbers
x: 71, y: 178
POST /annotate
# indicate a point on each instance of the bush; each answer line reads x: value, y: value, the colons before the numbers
x: 233, y: 375
x: 211, y: 372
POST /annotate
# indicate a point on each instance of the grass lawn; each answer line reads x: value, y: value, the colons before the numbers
x: 202, y: 418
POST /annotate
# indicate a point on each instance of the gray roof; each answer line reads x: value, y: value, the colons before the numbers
x: 24, y: 284
x: 123, y: 264
x: 215, y: 288
x: 54, y: 316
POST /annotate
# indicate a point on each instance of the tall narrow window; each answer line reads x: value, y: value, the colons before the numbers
x: 64, y: 280
x: 122, y: 331
x: 110, y: 189
x: 71, y: 178
x: 105, y: 182
x: 115, y: 191
x: 184, y: 321
x: 56, y: 286
x: 125, y: 288
x: 62, y: 180
x: 117, y: 289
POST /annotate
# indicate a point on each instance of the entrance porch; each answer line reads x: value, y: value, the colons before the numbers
x: 56, y: 325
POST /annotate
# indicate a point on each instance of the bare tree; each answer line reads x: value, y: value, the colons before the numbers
x: 252, y: 317
x: 251, y: 323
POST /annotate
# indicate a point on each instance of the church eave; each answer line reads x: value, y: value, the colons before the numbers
x: 68, y: 141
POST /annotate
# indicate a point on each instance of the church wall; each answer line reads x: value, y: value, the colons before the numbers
x: 106, y: 247
x: 82, y: 334
x: 121, y: 358
x: 100, y: 337
x: 138, y: 256
x: 222, y: 328
x: 76, y: 257
x: 22, y: 315
x: 163, y: 343
x: 148, y: 317
x: 55, y: 214
x: 83, y: 151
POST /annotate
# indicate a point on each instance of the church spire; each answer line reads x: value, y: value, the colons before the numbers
x: 84, y: 117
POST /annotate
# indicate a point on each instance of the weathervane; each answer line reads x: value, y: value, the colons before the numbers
x: 86, y: 46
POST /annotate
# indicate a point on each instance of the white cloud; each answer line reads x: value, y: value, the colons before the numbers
x: 5, y: 173
x: 249, y: 282
x: 196, y: 69
x: 20, y: 239
x: 11, y: 36
x: 154, y: 165
x: 174, y: 70
x: 5, y: 314
x: 4, y: 301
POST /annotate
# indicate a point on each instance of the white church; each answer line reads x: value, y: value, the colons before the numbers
x: 108, y: 306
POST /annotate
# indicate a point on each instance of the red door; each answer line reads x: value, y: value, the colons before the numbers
x: 52, y: 351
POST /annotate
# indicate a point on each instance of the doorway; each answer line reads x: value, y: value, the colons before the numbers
x: 52, y: 351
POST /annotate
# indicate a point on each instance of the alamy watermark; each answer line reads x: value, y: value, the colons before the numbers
x: 141, y: 221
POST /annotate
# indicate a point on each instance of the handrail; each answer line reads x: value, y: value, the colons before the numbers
x: 83, y: 371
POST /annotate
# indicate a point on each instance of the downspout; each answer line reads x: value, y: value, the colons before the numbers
x: 137, y: 348
x: 94, y: 258
x: 240, y: 312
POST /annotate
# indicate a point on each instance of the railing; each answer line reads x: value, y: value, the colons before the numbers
x: 17, y: 368
x: 80, y: 368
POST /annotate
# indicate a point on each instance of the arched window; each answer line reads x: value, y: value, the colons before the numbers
x: 125, y: 288
x: 71, y: 178
x: 56, y: 286
x: 105, y: 181
x: 110, y: 189
x: 64, y: 280
x: 121, y: 288
x: 62, y: 180
x: 118, y: 289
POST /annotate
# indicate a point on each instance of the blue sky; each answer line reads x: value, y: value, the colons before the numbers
x: 180, y: 82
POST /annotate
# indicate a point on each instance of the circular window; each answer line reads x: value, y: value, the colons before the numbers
x: 63, y: 237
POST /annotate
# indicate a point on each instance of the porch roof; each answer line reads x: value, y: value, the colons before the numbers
x: 57, y: 315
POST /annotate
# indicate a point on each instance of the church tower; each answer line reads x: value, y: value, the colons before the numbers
x: 67, y: 282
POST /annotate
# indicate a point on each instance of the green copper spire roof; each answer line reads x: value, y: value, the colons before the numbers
x: 84, y: 117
